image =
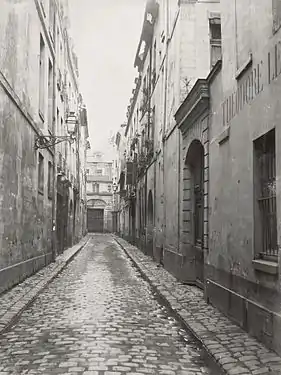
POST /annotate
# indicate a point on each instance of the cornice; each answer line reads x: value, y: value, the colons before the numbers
x: 194, y: 105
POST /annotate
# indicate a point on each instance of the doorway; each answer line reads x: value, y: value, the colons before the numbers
x: 194, y: 183
x: 95, y: 220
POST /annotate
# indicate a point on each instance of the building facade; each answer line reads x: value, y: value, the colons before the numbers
x: 121, y: 203
x: 243, y: 263
x: 99, y: 192
x: 201, y: 171
x: 176, y: 47
x: 36, y: 66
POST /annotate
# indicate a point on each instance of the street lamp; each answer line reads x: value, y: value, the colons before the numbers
x: 46, y: 141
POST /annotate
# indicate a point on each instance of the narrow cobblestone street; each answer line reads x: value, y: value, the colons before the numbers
x: 100, y: 317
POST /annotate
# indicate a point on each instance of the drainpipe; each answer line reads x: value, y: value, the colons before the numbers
x: 179, y: 180
x: 150, y: 133
x: 54, y: 196
x: 165, y: 119
x: 78, y: 168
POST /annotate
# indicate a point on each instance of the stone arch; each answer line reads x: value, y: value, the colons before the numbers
x: 193, y: 194
x: 96, y: 203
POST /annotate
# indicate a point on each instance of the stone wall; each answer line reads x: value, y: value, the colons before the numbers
x: 250, y: 296
x: 26, y: 214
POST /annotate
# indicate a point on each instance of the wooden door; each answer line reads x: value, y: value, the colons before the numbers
x: 95, y: 220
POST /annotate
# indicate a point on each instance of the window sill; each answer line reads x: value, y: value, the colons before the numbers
x: 224, y: 135
x: 244, y: 67
x: 265, y: 266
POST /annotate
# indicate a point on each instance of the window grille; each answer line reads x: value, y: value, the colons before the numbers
x: 266, y: 163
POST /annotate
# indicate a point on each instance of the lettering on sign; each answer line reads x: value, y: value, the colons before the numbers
x: 264, y: 73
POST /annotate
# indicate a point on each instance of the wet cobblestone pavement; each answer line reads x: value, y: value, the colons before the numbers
x: 100, y: 317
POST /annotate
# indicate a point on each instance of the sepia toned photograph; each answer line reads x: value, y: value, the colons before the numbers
x: 140, y: 220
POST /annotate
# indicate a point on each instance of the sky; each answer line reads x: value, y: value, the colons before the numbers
x: 106, y: 35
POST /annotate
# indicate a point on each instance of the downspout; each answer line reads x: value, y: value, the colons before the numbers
x: 78, y: 172
x: 54, y: 196
x: 148, y: 127
x: 164, y: 123
x: 179, y: 188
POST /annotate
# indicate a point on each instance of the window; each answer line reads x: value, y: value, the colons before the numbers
x: 42, y: 78
x: 142, y: 141
x: 215, y: 39
x: 109, y: 188
x: 276, y: 14
x: 58, y: 122
x: 154, y: 63
x: 99, y: 171
x: 96, y: 188
x: 41, y: 174
x: 50, y: 180
x: 151, y: 124
x: 265, y: 193
x: 51, y: 18
x: 50, y: 97
x: 87, y: 171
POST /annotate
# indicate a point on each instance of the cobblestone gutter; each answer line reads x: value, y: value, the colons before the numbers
x: 14, y: 301
x: 233, y: 349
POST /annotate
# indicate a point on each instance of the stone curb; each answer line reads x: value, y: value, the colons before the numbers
x: 211, y: 347
x: 15, y: 311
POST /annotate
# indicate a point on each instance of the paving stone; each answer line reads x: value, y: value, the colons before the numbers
x: 99, y: 316
x: 224, y: 340
x: 85, y: 322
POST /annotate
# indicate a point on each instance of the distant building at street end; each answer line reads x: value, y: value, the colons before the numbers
x: 99, y: 178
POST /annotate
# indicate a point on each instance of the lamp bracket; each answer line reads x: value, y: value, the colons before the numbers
x: 47, y: 141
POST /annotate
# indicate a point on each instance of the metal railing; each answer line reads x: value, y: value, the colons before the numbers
x: 267, y: 200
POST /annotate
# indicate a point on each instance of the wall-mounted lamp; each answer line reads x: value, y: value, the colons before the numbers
x: 46, y: 141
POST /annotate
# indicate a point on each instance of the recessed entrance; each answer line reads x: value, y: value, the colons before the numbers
x: 95, y: 220
x: 194, y: 211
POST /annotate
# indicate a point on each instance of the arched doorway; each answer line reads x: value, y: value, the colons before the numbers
x: 194, y: 215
